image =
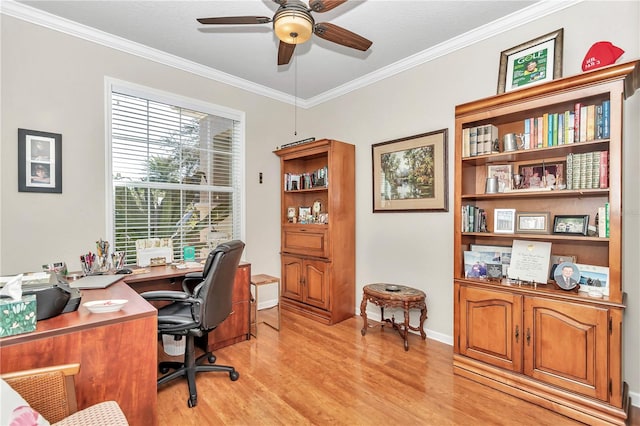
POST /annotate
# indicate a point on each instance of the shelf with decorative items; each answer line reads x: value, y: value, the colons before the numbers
x: 318, y: 229
x: 538, y: 243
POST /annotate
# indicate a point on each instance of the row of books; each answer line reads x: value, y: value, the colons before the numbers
x: 480, y: 140
x: 297, y: 181
x: 589, y: 170
x: 602, y: 221
x: 474, y: 219
x: 582, y: 124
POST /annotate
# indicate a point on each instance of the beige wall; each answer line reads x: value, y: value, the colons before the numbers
x: 54, y: 82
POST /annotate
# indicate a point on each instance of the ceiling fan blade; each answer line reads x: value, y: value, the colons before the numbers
x: 341, y: 36
x: 235, y: 20
x: 324, y: 5
x: 285, y: 52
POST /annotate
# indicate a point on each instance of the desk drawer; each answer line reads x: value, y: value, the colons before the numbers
x: 306, y: 241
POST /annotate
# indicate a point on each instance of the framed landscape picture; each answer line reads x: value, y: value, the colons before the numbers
x: 534, y: 62
x: 410, y: 174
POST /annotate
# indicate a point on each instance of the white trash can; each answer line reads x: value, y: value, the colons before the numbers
x: 172, y: 346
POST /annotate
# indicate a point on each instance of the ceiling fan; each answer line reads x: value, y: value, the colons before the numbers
x: 294, y: 24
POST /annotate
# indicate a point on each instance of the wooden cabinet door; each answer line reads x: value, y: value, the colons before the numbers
x: 316, y: 283
x: 566, y: 345
x: 292, y: 274
x: 491, y: 327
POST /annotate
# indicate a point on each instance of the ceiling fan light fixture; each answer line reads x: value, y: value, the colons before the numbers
x: 293, y: 27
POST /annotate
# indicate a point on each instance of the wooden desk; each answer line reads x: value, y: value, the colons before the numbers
x: 113, y: 350
x: 236, y: 328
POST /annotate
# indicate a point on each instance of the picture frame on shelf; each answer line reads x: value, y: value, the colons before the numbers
x: 410, y: 174
x: 542, y: 176
x: 504, y: 221
x: 39, y: 161
x: 304, y: 213
x: 504, y: 174
x: 291, y: 213
x: 571, y: 224
x: 557, y: 259
x: 533, y: 62
x: 532, y: 223
x: 594, y: 280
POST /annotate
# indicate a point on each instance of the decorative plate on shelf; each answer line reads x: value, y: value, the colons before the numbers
x: 103, y: 306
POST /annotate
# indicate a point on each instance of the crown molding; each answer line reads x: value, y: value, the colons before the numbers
x: 516, y: 19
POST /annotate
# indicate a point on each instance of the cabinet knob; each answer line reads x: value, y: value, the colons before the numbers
x: 528, y: 337
x: 517, y: 333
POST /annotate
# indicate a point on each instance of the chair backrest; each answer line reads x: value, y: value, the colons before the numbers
x: 49, y: 390
x: 217, y: 287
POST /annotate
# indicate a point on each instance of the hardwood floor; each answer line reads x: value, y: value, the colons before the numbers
x: 312, y: 374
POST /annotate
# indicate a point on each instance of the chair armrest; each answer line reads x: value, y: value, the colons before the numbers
x: 168, y: 295
x: 191, y: 280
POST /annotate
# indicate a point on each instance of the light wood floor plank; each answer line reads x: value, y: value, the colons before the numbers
x: 313, y: 374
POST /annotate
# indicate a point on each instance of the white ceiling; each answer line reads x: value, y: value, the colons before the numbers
x: 404, y: 34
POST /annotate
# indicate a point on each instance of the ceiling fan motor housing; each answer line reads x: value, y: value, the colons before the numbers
x: 292, y: 23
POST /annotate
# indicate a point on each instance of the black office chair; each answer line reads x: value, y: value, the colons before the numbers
x: 195, y: 313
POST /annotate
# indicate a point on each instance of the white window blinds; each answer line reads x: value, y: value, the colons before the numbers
x: 175, y: 174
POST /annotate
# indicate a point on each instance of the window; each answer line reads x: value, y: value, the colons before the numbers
x: 175, y: 171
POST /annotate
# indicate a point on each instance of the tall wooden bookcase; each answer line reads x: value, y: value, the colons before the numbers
x: 559, y: 349
x: 318, y: 256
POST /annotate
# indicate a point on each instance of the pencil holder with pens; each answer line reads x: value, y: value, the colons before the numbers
x: 93, y: 264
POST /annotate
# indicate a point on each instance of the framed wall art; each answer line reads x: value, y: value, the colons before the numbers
x: 534, y: 62
x: 39, y: 161
x: 410, y: 174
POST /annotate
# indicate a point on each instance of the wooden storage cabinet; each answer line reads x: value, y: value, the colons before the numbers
x: 318, y: 259
x: 306, y: 280
x: 559, y: 349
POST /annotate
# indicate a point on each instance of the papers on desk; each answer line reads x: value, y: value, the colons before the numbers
x: 32, y: 278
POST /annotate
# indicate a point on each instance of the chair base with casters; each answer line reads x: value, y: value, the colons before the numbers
x: 205, y: 302
x: 190, y: 367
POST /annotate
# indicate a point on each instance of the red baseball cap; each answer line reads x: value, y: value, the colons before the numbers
x: 601, y: 54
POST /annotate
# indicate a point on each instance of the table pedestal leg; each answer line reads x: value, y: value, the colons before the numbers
x: 363, y: 314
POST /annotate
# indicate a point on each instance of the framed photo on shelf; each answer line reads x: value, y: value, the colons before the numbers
x: 39, y: 161
x: 594, y: 279
x: 571, y: 224
x: 542, y: 175
x: 504, y: 221
x: 534, y: 62
x: 534, y: 223
x: 504, y: 174
x: 410, y: 174
x: 304, y: 212
x: 557, y: 259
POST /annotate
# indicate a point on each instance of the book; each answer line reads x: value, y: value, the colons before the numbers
x: 493, y: 139
x: 465, y: 143
x: 607, y: 216
x: 591, y: 122
x: 604, y: 169
x: 595, y: 165
x: 602, y: 222
x: 473, y: 141
x: 545, y: 130
x: 570, y: 127
x: 576, y: 121
x: 560, y: 132
x: 587, y: 170
x: 482, y: 137
x: 583, y: 124
x: 540, y: 125
x: 598, y: 130
x: 526, y: 135
x: 606, y: 119
x: 569, y: 173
